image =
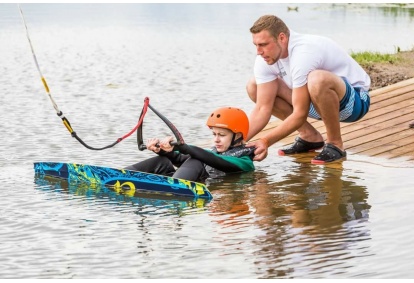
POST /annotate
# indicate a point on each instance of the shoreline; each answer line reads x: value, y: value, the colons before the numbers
x: 383, y: 74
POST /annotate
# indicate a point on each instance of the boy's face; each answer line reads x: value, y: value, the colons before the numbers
x: 222, y: 138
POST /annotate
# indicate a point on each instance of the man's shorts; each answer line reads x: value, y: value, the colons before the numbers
x: 353, y: 106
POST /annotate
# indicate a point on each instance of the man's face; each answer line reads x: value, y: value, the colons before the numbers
x: 267, y: 46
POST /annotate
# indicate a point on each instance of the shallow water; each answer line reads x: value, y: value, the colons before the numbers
x: 289, y: 219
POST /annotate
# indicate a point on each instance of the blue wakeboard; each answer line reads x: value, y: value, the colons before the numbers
x: 127, y: 180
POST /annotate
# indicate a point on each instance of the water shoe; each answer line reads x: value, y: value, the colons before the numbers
x: 301, y: 146
x: 329, y: 154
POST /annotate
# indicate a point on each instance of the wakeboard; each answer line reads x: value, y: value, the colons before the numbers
x: 127, y: 180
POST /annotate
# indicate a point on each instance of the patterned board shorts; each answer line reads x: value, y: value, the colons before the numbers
x: 353, y: 106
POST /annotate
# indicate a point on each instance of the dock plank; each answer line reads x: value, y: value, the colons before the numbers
x: 384, y: 130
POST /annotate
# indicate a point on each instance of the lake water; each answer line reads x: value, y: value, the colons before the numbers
x: 289, y: 219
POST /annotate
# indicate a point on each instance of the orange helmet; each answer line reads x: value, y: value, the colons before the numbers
x: 230, y: 118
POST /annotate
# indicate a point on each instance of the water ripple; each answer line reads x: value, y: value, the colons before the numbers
x: 288, y: 219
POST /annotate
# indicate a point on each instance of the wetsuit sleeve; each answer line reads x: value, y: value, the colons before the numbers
x: 176, y: 158
x: 214, y: 160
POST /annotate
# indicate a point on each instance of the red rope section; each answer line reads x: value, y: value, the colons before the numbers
x: 141, y: 119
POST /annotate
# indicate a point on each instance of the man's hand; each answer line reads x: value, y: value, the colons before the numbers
x: 261, y: 149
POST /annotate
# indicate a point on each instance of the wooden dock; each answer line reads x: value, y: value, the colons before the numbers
x: 383, y: 132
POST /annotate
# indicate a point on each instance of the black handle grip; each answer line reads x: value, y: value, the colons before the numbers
x: 143, y: 146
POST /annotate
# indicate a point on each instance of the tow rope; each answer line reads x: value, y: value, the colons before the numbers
x: 68, y: 126
x: 177, y: 134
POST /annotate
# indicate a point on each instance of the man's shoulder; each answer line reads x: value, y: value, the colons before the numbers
x: 296, y: 37
x: 311, y: 45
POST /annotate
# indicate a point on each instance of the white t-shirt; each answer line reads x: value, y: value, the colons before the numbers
x: 308, y: 53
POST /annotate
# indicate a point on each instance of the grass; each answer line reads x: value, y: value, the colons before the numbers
x: 367, y: 58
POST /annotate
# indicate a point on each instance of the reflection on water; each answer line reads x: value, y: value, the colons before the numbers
x: 312, y: 195
x: 388, y: 10
x: 117, y: 195
x: 289, y: 219
x: 398, y: 10
x: 313, y: 211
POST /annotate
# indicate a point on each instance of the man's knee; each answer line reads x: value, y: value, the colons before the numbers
x: 316, y: 81
x: 252, y: 89
x: 321, y: 82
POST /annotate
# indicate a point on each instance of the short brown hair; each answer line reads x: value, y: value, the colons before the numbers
x: 270, y: 23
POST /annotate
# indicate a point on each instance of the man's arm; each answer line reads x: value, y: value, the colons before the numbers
x: 260, y: 116
x: 301, y: 103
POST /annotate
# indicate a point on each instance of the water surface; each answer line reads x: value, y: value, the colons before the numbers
x: 289, y: 219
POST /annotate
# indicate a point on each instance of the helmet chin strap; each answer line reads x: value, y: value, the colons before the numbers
x: 234, y: 141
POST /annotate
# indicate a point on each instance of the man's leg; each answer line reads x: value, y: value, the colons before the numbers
x: 326, y: 91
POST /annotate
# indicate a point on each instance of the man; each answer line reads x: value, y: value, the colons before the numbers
x: 298, y: 76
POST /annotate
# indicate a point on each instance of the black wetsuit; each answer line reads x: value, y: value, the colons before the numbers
x: 197, y: 164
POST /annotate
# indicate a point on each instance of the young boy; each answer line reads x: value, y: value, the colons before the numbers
x: 229, y: 126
